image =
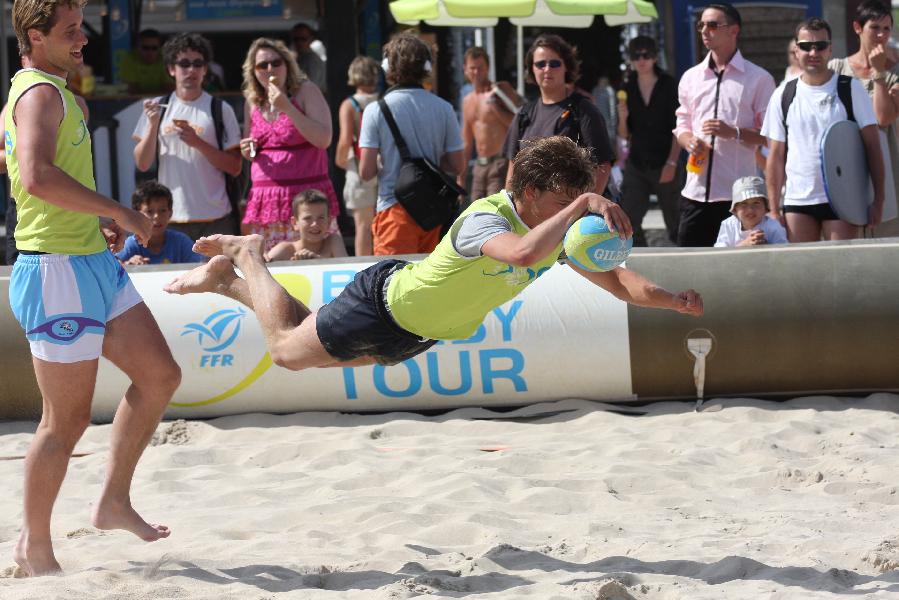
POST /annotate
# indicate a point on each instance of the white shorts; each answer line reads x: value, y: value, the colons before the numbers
x: 63, y: 302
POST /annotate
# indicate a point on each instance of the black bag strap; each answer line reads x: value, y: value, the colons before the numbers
x: 786, y: 100
x: 397, y: 136
x: 168, y: 102
x: 525, y: 118
x: 844, y: 93
x: 218, y: 121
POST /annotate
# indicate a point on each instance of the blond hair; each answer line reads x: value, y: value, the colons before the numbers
x: 37, y: 14
x: 363, y: 71
x: 253, y: 91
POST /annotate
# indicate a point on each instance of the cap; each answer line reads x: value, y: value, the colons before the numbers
x: 746, y: 188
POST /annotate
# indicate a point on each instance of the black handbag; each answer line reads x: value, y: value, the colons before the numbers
x: 430, y: 196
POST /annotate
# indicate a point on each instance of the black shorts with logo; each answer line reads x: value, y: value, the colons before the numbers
x: 357, y: 322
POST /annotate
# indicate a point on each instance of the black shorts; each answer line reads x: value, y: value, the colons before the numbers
x: 357, y: 322
x: 819, y: 212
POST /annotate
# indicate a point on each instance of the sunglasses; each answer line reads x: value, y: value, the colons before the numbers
x: 198, y: 63
x: 642, y: 56
x: 713, y: 25
x: 302, y: 39
x: 553, y: 63
x: 820, y: 45
x: 149, y: 48
x: 264, y: 65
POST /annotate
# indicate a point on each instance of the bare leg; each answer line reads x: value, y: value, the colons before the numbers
x: 802, y: 228
x: 841, y: 230
x: 290, y: 335
x: 67, y: 390
x: 363, y: 218
x: 154, y: 378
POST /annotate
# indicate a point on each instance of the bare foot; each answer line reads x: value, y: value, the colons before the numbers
x: 35, y: 559
x: 229, y: 245
x: 209, y: 277
x: 111, y: 515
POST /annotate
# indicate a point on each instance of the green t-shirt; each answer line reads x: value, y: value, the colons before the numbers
x: 146, y: 79
x: 42, y: 226
x: 446, y: 296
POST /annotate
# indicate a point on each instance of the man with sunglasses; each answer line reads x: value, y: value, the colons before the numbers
x: 182, y: 135
x: 818, y: 103
x: 143, y: 69
x: 722, y: 105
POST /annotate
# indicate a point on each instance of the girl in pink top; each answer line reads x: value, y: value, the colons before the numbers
x: 287, y: 130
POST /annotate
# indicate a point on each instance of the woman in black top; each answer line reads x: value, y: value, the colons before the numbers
x: 647, y: 119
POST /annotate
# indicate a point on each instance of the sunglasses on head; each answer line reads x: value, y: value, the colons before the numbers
x: 197, y: 63
x: 553, y: 63
x: 642, y: 56
x: 713, y: 25
x: 264, y: 65
x: 820, y: 45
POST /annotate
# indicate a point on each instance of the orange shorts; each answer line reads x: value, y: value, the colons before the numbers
x: 395, y: 232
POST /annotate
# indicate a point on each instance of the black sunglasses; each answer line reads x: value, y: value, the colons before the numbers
x: 713, y: 25
x: 820, y: 45
x: 642, y: 55
x: 198, y: 63
x: 264, y: 65
x: 553, y: 63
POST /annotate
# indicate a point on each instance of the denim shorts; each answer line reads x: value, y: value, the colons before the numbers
x: 357, y: 323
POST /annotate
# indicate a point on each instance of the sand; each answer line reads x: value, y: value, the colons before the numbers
x: 567, y: 500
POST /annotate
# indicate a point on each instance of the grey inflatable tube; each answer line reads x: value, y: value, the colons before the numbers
x: 779, y: 321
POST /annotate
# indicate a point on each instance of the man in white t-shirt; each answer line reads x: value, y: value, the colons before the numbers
x: 191, y: 164
x: 816, y: 105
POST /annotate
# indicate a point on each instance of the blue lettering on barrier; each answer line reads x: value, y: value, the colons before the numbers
x: 505, y: 320
x: 464, y: 375
x: 349, y: 383
x: 217, y: 360
x: 333, y: 283
x: 414, y: 380
x: 513, y: 373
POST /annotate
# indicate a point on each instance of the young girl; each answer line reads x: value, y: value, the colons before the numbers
x: 310, y: 222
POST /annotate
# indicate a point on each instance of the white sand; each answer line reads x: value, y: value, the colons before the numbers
x: 759, y: 500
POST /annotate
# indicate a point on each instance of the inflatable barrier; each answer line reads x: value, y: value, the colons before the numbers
x: 816, y: 318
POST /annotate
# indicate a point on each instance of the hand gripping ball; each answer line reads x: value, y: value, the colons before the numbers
x: 591, y: 246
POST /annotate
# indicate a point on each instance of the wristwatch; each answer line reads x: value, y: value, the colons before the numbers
x: 879, y: 76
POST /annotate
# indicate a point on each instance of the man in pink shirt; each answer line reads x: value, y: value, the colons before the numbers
x: 722, y: 106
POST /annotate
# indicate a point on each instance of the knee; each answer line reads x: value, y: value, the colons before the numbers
x: 164, y: 377
x: 67, y: 430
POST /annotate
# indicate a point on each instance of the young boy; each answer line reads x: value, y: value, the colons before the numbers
x: 394, y: 310
x: 310, y: 220
x: 154, y: 200
x: 750, y: 224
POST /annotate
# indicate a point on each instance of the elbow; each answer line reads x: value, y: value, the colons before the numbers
x: 34, y: 181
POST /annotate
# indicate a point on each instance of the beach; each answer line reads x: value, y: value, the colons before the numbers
x: 565, y: 500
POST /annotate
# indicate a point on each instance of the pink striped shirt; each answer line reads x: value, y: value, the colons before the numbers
x: 742, y: 100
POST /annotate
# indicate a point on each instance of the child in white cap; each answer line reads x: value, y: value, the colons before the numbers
x: 750, y: 224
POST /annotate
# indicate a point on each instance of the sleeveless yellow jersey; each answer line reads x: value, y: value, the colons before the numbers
x: 42, y: 226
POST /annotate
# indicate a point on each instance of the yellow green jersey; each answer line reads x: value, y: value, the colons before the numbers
x: 42, y: 226
x: 446, y: 296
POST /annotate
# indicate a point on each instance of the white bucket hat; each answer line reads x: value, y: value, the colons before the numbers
x: 747, y: 188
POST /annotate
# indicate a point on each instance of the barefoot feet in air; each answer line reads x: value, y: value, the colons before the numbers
x: 229, y: 245
x: 212, y: 276
x: 109, y: 514
x: 35, y: 558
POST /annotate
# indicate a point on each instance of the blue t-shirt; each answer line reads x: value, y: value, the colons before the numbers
x: 177, y: 248
x: 428, y: 125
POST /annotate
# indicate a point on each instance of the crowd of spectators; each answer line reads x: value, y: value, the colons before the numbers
x: 725, y: 115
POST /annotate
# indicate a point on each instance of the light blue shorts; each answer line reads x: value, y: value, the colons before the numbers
x: 63, y: 302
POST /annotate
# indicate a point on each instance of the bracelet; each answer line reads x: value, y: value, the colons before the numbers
x: 879, y: 76
x: 671, y: 163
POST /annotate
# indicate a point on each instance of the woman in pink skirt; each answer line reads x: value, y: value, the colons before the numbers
x: 287, y: 130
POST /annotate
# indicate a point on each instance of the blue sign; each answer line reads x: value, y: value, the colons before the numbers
x: 232, y: 9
